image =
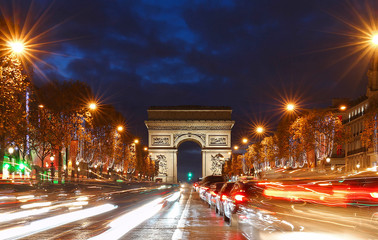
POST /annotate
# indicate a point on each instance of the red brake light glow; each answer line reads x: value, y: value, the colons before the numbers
x: 223, y: 197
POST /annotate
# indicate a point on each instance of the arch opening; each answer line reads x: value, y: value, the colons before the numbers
x: 189, y: 159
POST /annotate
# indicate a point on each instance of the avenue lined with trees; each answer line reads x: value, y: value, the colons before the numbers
x: 62, y: 125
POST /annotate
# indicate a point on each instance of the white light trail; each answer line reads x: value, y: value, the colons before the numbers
x: 181, y: 224
x: 174, y: 197
x: 37, y: 204
x: 4, y: 217
x: 130, y: 220
x: 52, y: 222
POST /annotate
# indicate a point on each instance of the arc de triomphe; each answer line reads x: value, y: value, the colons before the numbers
x: 210, y: 127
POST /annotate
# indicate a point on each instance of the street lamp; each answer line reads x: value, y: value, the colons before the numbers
x: 92, y: 106
x: 236, y: 147
x: 16, y: 47
x: 145, y: 148
x: 290, y: 107
x: 11, y: 150
x: 328, y: 160
x: 259, y: 129
x: 136, y: 141
x: 374, y: 39
x: 120, y: 128
x: 342, y: 108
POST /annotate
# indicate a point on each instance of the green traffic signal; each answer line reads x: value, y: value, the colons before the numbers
x: 190, y: 175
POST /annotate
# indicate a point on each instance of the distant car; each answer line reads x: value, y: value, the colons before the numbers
x: 212, y: 193
x: 203, y: 189
x: 213, y: 179
x: 196, y: 186
x: 221, y: 197
x: 205, y: 184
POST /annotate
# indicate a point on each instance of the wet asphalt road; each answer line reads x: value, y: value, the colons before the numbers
x: 188, y: 218
x: 142, y: 213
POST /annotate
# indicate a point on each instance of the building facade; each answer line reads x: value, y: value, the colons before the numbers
x: 357, y: 156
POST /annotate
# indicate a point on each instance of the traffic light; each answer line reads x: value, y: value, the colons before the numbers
x: 190, y: 176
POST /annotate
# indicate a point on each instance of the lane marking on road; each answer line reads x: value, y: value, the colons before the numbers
x: 181, y: 223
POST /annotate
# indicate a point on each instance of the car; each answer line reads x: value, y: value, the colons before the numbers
x: 206, y: 182
x: 213, y: 179
x: 221, y: 196
x: 203, y: 189
x: 196, y: 186
x: 231, y: 202
x: 212, y: 193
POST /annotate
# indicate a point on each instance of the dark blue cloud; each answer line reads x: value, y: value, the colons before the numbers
x: 241, y: 54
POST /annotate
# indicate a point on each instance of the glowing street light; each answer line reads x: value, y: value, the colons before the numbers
x: 52, y: 158
x: 17, y: 47
x: 120, y: 128
x: 328, y: 160
x: 136, y: 141
x: 236, y: 147
x: 290, y: 107
x: 92, y: 106
x: 259, y: 130
x: 245, y: 140
x: 145, y: 148
x: 342, y: 107
x: 11, y: 150
x: 374, y: 40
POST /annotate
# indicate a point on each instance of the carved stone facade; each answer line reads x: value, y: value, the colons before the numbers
x: 167, y: 129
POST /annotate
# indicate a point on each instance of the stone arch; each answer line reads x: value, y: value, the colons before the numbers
x: 209, y: 127
x: 189, y: 137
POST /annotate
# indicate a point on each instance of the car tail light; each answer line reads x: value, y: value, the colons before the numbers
x: 223, y: 197
x: 239, y: 197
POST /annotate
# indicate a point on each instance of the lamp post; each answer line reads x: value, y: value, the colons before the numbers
x: 245, y: 167
x: 119, y: 129
x: 11, y: 151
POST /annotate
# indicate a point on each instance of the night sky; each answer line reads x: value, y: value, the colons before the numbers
x: 249, y: 55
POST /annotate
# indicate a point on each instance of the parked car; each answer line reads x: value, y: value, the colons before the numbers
x: 212, y: 193
x: 203, y: 189
x: 205, y: 184
x: 221, y: 196
x: 196, y: 186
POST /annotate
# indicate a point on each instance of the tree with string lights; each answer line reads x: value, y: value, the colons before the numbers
x: 13, y: 87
